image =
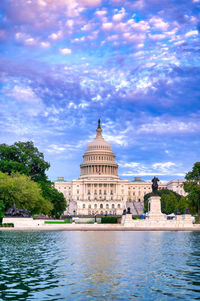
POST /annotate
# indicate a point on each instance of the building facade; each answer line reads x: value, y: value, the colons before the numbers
x: 99, y: 190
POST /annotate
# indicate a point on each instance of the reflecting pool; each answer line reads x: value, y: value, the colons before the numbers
x: 99, y: 265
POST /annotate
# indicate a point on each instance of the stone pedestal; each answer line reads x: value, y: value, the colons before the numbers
x: 23, y: 222
x: 155, y: 209
x: 127, y: 220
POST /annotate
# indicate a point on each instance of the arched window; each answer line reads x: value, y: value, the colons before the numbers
x: 107, y: 206
x: 89, y: 206
x: 101, y: 206
x: 118, y: 206
x: 83, y: 206
x: 113, y: 206
x: 95, y: 206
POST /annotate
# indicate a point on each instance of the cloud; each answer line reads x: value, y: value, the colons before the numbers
x: 158, y: 23
x: 158, y: 169
x: 163, y: 166
x: 107, y: 26
x: 25, y: 98
x: 140, y: 74
x: 119, y: 16
x: 191, y: 33
x: 160, y: 126
x: 45, y: 44
x: 65, y: 50
x: 155, y: 37
x: 56, y: 36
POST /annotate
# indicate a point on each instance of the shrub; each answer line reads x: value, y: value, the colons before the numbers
x: 7, y: 225
x: 109, y: 220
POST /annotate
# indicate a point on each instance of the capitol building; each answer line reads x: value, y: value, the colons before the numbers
x: 99, y: 189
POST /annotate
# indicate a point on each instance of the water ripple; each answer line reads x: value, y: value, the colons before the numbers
x: 99, y: 266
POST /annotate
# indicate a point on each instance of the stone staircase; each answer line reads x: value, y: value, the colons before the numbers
x: 137, y: 208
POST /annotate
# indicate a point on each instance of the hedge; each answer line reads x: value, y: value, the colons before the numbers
x: 109, y: 220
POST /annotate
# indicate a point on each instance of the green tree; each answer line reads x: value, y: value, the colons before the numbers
x: 57, y: 198
x: 169, y: 200
x: 2, y: 210
x: 18, y: 189
x: 170, y: 203
x: 192, y: 187
x: 182, y: 205
x: 25, y: 158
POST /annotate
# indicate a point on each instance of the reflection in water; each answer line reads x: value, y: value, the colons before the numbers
x: 99, y: 265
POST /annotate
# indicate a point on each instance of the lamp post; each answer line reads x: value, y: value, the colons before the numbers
x: 95, y: 217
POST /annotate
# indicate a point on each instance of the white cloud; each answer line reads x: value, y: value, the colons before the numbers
x: 53, y: 148
x: 140, y: 26
x: 159, y: 169
x: 130, y: 164
x: 30, y: 41
x: 107, y: 26
x: 86, y: 27
x: 101, y: 13
x: 56, y: 36
x: 158, y: 23
x: 157, y: 36
x: 65, y: 50
x: 164, y: 167
x: 72, y: 105
x: 191, y: 33
x: 45, y: 44
x: 134, y: 38
x: 158, y: 126
x: 118, y: 17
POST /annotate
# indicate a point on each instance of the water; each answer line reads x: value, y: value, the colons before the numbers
x: 99, y: 265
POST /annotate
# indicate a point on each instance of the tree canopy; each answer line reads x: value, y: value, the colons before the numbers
x: 23, y: 158
x: 170, y: 201
x: 192, y: 187
x: 20, y: 190
x: 57, y: 198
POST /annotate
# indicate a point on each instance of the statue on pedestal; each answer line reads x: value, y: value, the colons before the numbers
x: 155, y: 181
x: 128, y: 210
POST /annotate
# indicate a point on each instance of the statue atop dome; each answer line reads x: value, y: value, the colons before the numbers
x: 99, y: 123
x: 99, y: 129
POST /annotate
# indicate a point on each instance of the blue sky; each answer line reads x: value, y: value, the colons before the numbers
x: 134, y: 64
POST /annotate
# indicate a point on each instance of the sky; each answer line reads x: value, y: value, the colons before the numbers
x: 135, y: 64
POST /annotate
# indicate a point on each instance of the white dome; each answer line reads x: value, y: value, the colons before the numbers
x: 99, y: 159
